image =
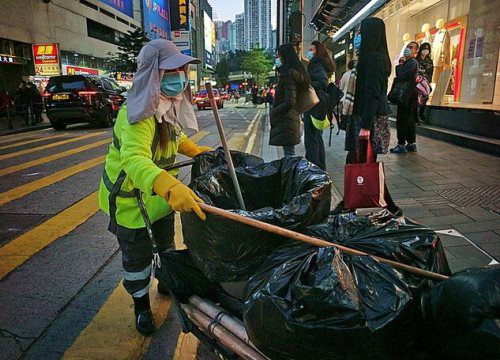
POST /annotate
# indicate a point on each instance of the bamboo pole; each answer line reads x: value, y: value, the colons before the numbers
x: 222, y: 135
x: 224, y: 336
x: 314, y: 241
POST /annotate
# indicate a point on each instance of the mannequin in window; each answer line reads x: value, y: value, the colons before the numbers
x: 440, y: 49
x: 426, y: 29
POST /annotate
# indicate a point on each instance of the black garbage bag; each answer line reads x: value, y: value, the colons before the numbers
x: 382, y: 234
x: 290, y: 192
x: 179, y: 274
x: 307, y: 303
x: 463, y: 314
x: 210, y: 160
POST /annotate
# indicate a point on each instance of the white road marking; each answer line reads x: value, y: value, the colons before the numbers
x: 453, y: 232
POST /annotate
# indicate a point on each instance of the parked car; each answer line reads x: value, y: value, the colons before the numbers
x: 72, y: 99
x: 202, y: 101
x: 224, y: 95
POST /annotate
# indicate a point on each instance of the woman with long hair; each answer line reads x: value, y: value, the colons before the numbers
x: 285, y: 118
x: 320, y: 69
x: 425, y: 69
x: 146, y: 138
x: 370, y: 121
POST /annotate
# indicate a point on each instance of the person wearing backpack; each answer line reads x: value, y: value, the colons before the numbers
x: 320, y: 69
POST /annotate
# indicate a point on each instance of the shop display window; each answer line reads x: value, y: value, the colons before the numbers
x: 464, y: 37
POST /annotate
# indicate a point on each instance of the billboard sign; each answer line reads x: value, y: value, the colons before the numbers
x: 78, y: 70
x: 182, y: 40
x: 156, y: 20
x: 207, y: 36
x: 123, y: 6
x: 46, y: 59
x: 179, y: 15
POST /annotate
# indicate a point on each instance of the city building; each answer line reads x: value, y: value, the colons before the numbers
x: 77, y: 36
x: 232, y: 37
x: 258, y: 24
x: 239, y: 32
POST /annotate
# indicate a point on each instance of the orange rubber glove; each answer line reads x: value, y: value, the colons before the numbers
x: 179, y: 196
x: 189, y: 148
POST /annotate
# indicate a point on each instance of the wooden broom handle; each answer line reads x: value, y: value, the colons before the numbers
x: 314, y: 241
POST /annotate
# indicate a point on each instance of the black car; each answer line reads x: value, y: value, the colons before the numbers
x: 72, y: 99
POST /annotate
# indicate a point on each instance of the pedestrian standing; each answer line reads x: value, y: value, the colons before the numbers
x: 425, y: 69
x: 22, y: 102
x: 344, y: 80
x: 369, y: 121
x: 6, y: 103
x: 285, y: 117
x: 269, y: 96
x: 146, y: 137
x: 320, y: 69
x: 36, y: 106
x: 406, y: 71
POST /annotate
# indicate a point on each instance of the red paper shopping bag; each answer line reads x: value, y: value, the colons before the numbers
x: 364, y: 182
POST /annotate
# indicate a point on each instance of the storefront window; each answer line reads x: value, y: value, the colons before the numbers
x: 464, y: 46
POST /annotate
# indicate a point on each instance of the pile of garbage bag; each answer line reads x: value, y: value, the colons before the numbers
x: 312, y: 303
x: 210, y: 160
x: 290, y: 192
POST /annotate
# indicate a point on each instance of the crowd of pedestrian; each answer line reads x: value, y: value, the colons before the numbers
x: 26, y: 103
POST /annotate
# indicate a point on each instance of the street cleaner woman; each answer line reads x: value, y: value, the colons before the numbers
x: 146, y: 138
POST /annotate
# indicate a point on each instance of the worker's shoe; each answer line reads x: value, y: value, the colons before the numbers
x: 144, y: 320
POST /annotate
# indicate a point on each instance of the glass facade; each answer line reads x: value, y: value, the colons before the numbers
x: 464, y: 36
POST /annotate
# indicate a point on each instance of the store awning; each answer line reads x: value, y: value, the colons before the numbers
x: 336, y: 17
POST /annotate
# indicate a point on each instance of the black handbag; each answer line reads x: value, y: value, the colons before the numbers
x: 401, y: 91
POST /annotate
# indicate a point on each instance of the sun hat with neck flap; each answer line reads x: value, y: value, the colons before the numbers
x: 144, y: 96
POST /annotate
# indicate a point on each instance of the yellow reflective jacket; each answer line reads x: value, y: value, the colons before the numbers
x: 133, y: 162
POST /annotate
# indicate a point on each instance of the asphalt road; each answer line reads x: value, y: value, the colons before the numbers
x: 60, y: 273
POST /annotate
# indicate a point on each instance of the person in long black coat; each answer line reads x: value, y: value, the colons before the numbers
x: 320, y: 68
x: 407, y: 112
x: 285, y: 118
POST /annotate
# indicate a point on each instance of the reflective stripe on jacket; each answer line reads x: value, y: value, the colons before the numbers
x: 133, y: 162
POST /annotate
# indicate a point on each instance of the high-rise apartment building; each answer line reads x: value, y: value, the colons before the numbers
x: 239, y: 32
x: 258, y: 24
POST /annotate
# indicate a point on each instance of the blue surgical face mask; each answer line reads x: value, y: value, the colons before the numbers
x: 407, y: 52
x: 309, y: 55
x: 357, y: 42
x: 278, y: 62
x: 173, y: 83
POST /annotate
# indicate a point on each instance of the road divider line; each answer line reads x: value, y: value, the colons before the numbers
x: 52, y: 157
x: 7, y: 138
x: 23, y: 190
x: 199, y: 135
x: 33, y: 140
x: 237, y: 140
x: 48, y: 146
x: 187, y: 347
x: 111, y: 334
x: 16, y: 252
x: 253, y: 136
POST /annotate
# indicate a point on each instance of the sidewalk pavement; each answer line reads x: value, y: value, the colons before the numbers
x: 19, y: 127
x: 453, y: 190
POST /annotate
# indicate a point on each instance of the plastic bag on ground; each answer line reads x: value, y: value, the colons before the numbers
x: 382, y: 234
x: 463, y: 314
x: 307, y: 303
x: 303, y: 304
x: 290, y: 192
x: 210, y: 160
x: 179, y: 274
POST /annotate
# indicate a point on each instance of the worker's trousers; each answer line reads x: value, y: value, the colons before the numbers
x: 137, y: 254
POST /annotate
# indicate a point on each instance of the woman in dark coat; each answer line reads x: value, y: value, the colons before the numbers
x: 320, y: 69
x: 426, y: 69
x: 369, y: 121
x: 285, y: 118
x: 407, y: 112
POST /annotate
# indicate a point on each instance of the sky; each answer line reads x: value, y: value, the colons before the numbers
x: 227, y: 9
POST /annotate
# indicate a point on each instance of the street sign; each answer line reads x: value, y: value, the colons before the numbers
x: 46, y: 59
x: 182, y: 40
x: 78, y: 70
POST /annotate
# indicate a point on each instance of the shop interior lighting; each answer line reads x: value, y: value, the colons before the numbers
x: 365, y: 10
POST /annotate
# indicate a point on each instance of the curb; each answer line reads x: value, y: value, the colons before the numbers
x: 25, y: 129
